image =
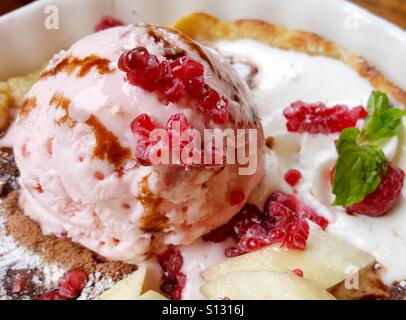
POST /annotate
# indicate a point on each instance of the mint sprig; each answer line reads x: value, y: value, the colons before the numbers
x: 358, y: 169
x: 384, y: 120
x: 361, y: 164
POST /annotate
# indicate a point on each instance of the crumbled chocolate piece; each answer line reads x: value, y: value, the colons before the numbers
x: 8, y: 172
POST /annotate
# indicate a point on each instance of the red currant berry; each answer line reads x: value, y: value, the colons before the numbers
x: 143, y: 125
x: 293, y: 176
x: 72, y: 283
x: 236, y: 197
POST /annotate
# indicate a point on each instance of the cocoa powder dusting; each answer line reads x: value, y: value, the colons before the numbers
x: 70, y: 64
x: 54, y: 250
x: 108, y: 146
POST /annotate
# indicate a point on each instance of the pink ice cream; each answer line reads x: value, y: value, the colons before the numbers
x: 75, y: 150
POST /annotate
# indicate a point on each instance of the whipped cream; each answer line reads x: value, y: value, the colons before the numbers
x: 287, y: 76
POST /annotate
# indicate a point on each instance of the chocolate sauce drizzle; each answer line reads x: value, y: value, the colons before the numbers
x: 71, y: 63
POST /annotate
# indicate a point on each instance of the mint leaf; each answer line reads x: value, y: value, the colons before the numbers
x: 361, y: 164
x: 384, y: 120
x: 358, y: 170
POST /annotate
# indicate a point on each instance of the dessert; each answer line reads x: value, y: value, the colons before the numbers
x: 85, y: 174
x: 308, y: 224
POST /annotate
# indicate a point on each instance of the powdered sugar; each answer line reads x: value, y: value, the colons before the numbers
x: 96, y: 285
x: 15, y: 257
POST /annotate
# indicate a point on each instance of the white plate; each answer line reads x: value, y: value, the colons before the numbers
x: 26, y: 44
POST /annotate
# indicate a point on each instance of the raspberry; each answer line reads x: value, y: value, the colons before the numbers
x: 287, y: 201
x: 172, y: 281
x: 249, y: 215
x: 254, y: 238
x: 210, y: 99
x: 281, y: 203
x: 233, y: 252
x: 142, y: 68
x: 167, y: 284
x: 142, y: 125
x: 291, y: 231
x: 174, y: 81
x: 171, y: 261
x: 250, y: 231
x: 220, y: 113
x: 70, y: 286
x: 310, y: 214
x: 236, y: 197
x: 220, y: 234
x: 52, y: 295
x: 108, y: 22
x: 242, y: 226
x: 317, y: 118
x: 173, y: 90
x: 166, y: 71
x: 286, y: 220
x: 214, y: 105
x: 194, y: 86
x: 358, y: 113
x: 178, y: 288
x: 185, y: 68
x: 142, y: 152
x: 293, y: 176
x: 384, y: 198
x: 175, y: 126
x: 72, y: 283
x: 133, y: 60
x: 181, y: 121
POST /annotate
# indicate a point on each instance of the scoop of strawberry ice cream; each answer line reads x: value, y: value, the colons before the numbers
x: 78, y: 142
